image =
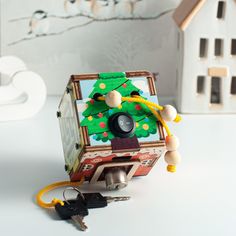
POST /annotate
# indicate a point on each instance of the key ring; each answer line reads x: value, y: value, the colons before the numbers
x: 74, y: 189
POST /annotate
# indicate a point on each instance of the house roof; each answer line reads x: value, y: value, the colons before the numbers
x: 186, y: 11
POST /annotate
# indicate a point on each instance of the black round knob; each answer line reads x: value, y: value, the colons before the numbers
x: 121, y: 124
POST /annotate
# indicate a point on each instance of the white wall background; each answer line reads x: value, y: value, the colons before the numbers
x: 101, y: 46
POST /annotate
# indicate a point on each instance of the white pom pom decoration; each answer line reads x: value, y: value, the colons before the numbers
x: 169, y: 113
x: 172, y: 143
x: 113, y: 99
x: 172, y: 158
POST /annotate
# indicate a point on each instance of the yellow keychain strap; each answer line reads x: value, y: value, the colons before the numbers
x: 54, y: 186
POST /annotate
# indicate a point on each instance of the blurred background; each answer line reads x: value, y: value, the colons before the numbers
x: 56, y: 38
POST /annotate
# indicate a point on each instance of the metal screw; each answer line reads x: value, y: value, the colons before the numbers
x: 58, y: 114
x: 66, y: 167
x: 68, y: 90
x: 76, y: 146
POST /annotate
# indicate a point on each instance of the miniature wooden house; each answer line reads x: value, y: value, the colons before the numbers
x: 206, y: 72
x: 90, y: 148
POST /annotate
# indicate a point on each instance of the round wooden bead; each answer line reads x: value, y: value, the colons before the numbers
x: 172, y: 143
x: 172, y: 158
x: 113, y: 99
x: 169, y: 113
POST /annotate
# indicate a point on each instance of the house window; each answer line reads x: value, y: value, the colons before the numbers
x: 221, y: 9
x: 233, y: 86
x: 203, y: 47
x: 200, y: 84
x: 233, y: 47
x: 218, y: 47
x: 215, y: 90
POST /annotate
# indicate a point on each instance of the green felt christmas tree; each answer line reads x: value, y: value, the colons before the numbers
x: 97, y: 112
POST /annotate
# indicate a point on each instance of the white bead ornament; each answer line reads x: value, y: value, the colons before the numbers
x: 172, y: 158
x: 172, y: 143
x: 169, y: 113
x: 113, y: 99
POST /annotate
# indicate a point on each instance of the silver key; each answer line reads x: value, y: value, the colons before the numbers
x: 79, y: 221
x: 74, y: 210
x: 116, y: 199
x: 97, y: 200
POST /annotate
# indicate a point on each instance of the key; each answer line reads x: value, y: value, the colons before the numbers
x: 75, y: 210
x: 96, y: 200
x: 80, y: 222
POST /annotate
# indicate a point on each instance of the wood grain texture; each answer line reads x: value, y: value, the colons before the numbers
x: 218, y: 71
x: 186, y: 11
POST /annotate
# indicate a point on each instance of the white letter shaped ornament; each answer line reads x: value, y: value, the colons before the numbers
x: 25, y: 95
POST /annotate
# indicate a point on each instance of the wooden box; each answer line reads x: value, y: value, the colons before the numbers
x: 91, y: 150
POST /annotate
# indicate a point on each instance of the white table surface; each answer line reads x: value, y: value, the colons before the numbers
x: 197, y: 200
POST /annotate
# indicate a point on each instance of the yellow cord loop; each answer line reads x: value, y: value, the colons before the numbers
x: 158, y: 116
x: 151, y: 106
x: 54, y: 186
x: 141, y: 100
